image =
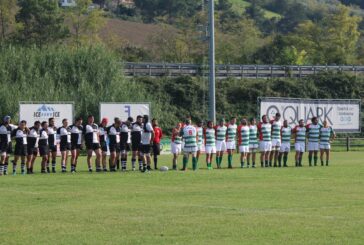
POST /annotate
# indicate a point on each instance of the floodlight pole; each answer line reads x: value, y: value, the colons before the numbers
x: 212, y: 93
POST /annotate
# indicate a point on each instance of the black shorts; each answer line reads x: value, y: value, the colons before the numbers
x: 6, y: 147
x: 135, y: 146
x: 32, y: 150
x: 93, y: 146
x: 114, y: 147
x: 103, y: 146
x: 145, y: 149
x: 76, y: 147
x: 156, y: 149
x: 128, y: 147
x: 21, y: 150
x: 53, y: 148
x: 43, y: 150
x: 65, y: 147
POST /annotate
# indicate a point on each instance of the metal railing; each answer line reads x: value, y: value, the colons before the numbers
x: 236, y: 71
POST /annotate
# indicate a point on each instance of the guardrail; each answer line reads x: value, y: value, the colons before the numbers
x: 237, y: 71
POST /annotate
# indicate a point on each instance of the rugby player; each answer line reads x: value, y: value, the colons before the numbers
x: 43, y: 146
x: 158, y: 134
x: 231, y: 140
x: 327, y: 134
x: 136, y: 134
x: 220, y: 131
x: 32, y: 138
x: 124, y: 138
x: 313, y: 135
x: 300, y: 141
x: 265, y: 143
x: 114, y: 145
x: 210, y: 146
x: 276, y: 139
x: 64, y: 133
x: 76, y: 142
x: 146, y: 143
x: 176, y: 144
x: 21, y: 148
x: 6, y: 148
x: 52, y: 142
x: 103, y: 142
x: 243, y: 136
x: 200, y: 139
x: 190, y: 137
x: 286, y: 133
x: 253, y: 142
x: 91, y: 134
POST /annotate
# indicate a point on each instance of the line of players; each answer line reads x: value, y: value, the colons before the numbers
x: 271, y: 138
x: 140, y: 137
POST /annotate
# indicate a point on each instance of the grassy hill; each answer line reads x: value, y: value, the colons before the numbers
x: 241, y: 5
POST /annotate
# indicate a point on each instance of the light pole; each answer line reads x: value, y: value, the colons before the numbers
x: 212, y: 93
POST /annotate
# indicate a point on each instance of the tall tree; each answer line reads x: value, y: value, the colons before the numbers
x: 85, y: 23
x: 7, y: 16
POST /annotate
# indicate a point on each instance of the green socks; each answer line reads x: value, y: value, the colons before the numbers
x: 194, y: 163
x: 230, y: 161
x: 185, y: 161
x: 310, y: 160
x: 315, y: 160
x: 285, y: 158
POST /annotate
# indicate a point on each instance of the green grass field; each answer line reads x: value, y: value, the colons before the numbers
x: 317, y: 205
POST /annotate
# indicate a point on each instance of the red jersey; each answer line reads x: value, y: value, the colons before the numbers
x: 157, y: 135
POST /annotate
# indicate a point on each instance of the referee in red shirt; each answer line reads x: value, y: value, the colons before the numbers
x: 156, y: 142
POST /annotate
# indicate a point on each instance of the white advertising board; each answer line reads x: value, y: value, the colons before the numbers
x: 342, y: 115
x: 39, y: 111
x: 123, y: 110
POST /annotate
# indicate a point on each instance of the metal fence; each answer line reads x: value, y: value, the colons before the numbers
x: 236, y: 71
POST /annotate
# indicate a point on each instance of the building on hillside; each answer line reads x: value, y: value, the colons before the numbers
x: 67, y: 3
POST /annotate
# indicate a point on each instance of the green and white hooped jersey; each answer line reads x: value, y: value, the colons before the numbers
x: 221, y: 133
x: 231, y: 132
x: 300, y: 134
x: 244, y: 136
x: 210, y: 137
x: 313, y: 133
x: 325, y: 135
x: 200, y: 136
x: 276, y: 129
x: 253, y: 135
x: 177, y: 140
x: 189, y: 136
x: 265, y: 132
x: 286, y: 134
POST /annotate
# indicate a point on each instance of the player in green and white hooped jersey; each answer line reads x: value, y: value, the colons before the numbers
x: 176, y: 143
x: 327, y: 134
x: 253, y: 142
x: 286, y: 133
x: 190, y: 136
x: 200, y: 138
x: 300, y: 141
x: 220, y: 131
x: 210, y: 145
x: 276, y: 139
x: 265, y: 142
x: 313, y: 135
x: 231, y: 140
x: 243, y: 135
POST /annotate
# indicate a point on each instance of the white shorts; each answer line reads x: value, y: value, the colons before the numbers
x: 176, y: 148
x: 199, y: 147
x: 231, y: 145
x: 300, y: 146
x: 313, y: 146
x: 243, y: 149
x: 325, y: 146
x: 192, y: 149
x: 253, y: 147
x: 210, y: 149
x: 220, y: 145
x: 265, y: 146
x: 285, y: 147
x: 276, y: 144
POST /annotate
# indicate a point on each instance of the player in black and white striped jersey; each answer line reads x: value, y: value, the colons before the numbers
x: 6, y: 148
x: 32, y: 138
x: 136, y: 137
x: 91, y: 133
x: 103, y: 142
x: 21, y: 145
x: 76, y: 142
x: 43, y: 146
x: 114, y: 142
x: 64, y: 133
x: 124, y: 138
x: 52, y: 143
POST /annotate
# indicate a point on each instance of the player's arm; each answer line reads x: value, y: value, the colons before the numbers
x: 204, y: 136
x: 333, y: 135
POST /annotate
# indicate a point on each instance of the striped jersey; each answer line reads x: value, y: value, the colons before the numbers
x: 221, y: 132
x: 244, y: 135
x: 300, y: 134
x: 265, y: 130
x: 276, y: 129
x: 209, y: 137
x: 189, y: 136
x: 231, y: 132
x: 325, y: 135
x: 313, y: 132
x: 253, y: 131
x: 286, y: 133
x: 200, y: 135
x: 176, y: 138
